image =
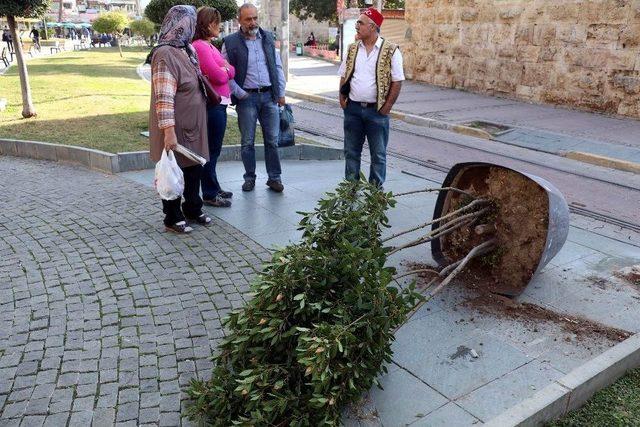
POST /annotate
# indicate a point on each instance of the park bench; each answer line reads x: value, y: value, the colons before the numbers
x: 4, y: 58
x: 55, y: 47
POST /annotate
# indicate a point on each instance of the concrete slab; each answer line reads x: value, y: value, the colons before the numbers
x: 509, y: 390
x: 404, y: 398
x: 449, y: 366
x: 601, y: 371
x: 447, y: 416
x: 535, y: 411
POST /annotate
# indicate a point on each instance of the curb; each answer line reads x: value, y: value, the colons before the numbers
x: 124, y: 162
x: 398, y: 115
x: 574, y: 389
x: 604, y: 161
x: 87, y: 157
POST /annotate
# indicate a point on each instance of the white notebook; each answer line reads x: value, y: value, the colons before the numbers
x: 190, y: 154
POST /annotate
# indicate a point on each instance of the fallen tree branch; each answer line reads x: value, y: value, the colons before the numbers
x: 431, y: 190
x: 457, y: 267
x: 422, y: 270
x: 447, y: 216
x: 442, y: 230
x: 481, y: 249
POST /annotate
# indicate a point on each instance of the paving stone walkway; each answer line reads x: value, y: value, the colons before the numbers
x: 104, y: 317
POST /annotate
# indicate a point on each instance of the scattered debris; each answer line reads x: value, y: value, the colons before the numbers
x: 599, y: 282
x: 460, y: 352
x: 630, y: 274
x: 533, y: 315
x: 481, y: 299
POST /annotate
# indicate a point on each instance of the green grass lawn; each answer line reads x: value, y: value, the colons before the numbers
x: 616, y: 405
x: 91, y: 98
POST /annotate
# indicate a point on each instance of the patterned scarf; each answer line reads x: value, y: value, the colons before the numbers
x: 178, y: 29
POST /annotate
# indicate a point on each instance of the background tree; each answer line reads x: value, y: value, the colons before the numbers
x: 157, y: 9
x: 325, y: 10
x: 24, y: 9
x: 320, y: 10
x: 143, y: 27
x: 393, y: 4
x: 111, y: 23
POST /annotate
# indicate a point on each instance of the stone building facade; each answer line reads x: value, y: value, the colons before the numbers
x: 579, y: 53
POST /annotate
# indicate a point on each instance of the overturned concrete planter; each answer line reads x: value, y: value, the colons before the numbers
x: 137, y: 160
x: 531, y: 220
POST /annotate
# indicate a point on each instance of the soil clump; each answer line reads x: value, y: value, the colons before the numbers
x: 630, y: 274
x: 520, y: 212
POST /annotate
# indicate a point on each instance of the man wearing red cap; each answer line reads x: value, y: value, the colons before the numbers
x: 371, y: 78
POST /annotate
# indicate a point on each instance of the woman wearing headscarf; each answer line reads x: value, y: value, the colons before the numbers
x: 178, y: 113
x: 219, y: 73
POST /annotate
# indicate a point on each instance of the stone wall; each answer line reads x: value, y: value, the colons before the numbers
x: 577, y: 53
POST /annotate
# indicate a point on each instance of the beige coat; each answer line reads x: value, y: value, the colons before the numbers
x: 190, y: 108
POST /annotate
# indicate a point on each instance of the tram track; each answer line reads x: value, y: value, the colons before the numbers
x: 574, y: 207
x: 434, y: 138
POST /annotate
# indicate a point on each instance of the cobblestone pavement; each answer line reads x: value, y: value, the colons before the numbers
x: 104, y: 317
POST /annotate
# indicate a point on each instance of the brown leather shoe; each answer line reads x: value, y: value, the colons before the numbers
x: 275, y: 186
x: 218, y: 202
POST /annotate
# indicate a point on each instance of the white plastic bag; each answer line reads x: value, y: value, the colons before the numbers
x: 169, y: 180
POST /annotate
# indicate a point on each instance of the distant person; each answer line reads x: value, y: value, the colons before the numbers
x: 252, y: 52
x: 6, y: 37
x: 35, y: 36
x: 179, y: 112
x: 311, y: 40
x: 371, y: 78
x: 219, y: 72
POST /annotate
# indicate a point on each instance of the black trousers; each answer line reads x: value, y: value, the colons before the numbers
x: 192, y: 205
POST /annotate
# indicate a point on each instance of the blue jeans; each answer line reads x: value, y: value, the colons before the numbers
x: 216, y: 126
x: 360, y: 122
x: 259, y: 106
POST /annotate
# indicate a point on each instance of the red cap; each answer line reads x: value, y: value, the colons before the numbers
x: 374, y: 15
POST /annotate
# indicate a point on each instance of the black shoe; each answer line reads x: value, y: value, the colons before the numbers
x: 202, y: 220
x: 218, y: 202
x: 225, y: 194
x: 179, y: 227
x: 249, y: 185
x: 275, y: 185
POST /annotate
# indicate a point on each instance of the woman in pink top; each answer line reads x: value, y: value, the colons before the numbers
x: 219, y: 73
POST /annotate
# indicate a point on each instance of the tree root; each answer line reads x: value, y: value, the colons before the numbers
x: 432, y: 190
x: 473, y: 204
x: 443, y: 230
x: 457, y: 267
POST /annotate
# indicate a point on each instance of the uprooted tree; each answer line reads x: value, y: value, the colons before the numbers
x: 320, y: 325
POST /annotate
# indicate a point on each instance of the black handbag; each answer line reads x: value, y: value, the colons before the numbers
x: 213, y: 97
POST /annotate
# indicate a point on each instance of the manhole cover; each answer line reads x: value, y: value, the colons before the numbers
x: 494, y: 129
